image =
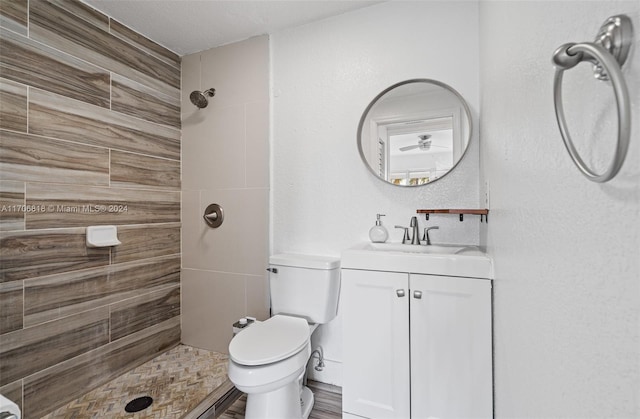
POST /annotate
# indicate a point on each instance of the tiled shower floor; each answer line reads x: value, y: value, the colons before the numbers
x: 177, y: 380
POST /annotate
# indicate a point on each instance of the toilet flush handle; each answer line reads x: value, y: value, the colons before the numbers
x: 273, y: 270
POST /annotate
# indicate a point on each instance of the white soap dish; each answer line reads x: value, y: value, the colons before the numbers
x: 102, y: 236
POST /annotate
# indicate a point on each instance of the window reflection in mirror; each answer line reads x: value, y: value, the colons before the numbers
x: 414, y: 132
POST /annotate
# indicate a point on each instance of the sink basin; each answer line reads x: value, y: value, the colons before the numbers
x: 443, y: 259
x: 445, y: 249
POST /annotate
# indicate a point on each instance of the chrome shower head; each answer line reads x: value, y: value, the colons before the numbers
x: 200, y: 99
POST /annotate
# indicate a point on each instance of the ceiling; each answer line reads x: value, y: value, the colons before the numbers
x: 188, y: 26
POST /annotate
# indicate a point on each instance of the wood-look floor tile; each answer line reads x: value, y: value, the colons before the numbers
x: 43, y: 391
x: 145, y: 241
x: 29, y: 254
x: 30, y: 158
x: 13, y: 106
x: 328, y: 401
x: 12, y: 208
x: 327, y: 405
x: 14, y: 15
x: 52, y: 24
x: 32, y: 63
x: 136, y: 171
x: 138, y: 313
x: 13, y: 392
x: 137, y: 100
x: 32, y: 349
x: 55, y: 296
x: 56, y: 116
x: 74, y: 206
x: 145, y: 44
x: 11, y: 307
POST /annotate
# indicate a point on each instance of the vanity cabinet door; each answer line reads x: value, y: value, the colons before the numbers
x: 450, y: 347
x: 375, y: 344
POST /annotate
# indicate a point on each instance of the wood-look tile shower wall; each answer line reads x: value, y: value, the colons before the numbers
x: 89, y: 135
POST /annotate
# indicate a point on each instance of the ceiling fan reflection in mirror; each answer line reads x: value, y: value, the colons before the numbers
x: 424, y: 144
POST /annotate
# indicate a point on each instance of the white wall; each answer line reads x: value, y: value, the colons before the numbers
x: 225, y: 160
x: 324, y: 75
x: 566, y: 251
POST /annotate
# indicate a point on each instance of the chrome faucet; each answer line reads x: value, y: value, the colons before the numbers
x: 415, y: 236
x: 426, y: 238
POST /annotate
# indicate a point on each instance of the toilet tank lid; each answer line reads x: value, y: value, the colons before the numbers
x: 305, y: 261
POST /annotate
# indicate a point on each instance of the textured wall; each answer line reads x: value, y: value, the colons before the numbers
x: 89, y: 135
x: 225, y: 161
x: 566, y: 250
x: 324, y: 76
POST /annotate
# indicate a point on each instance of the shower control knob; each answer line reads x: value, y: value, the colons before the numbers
x: 213, y: 215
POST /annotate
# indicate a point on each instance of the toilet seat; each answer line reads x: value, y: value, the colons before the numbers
x: 270, y: 341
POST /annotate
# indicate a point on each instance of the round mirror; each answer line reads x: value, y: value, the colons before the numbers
x: 414, y: 132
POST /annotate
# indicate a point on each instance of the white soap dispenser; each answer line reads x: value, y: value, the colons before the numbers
x: 378, y: 233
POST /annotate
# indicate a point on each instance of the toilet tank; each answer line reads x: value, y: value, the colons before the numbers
x: 305, y: 286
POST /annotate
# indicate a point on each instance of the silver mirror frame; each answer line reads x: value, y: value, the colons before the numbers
x: 363, y: 118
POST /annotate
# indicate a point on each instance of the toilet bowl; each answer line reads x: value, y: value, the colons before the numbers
x: 268, y: 359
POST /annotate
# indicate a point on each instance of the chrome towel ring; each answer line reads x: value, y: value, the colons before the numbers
x: 607, y: 53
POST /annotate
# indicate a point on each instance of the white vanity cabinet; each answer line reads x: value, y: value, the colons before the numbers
x: 375, y: 354
x: 416, y: 346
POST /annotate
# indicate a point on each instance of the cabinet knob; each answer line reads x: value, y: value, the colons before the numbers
x: 417, y: 294
x: 400, y: 293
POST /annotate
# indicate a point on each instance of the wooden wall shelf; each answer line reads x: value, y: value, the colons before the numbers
x: 483, y: 213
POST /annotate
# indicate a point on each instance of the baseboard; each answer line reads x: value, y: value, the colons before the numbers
x: 331, y: 373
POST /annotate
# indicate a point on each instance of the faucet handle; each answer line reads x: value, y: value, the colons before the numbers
x: 425, y: 237
x: 406, y: 238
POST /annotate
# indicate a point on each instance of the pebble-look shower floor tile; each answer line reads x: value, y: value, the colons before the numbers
x: 177, y: 380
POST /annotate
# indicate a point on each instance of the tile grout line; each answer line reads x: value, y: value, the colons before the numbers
x: 28, y: 95
x: 22, y: 395
x: 109, y: 166
x: 110, y: 329
x: 24, y: 215
x: 111, y: 91
x: 245, y: 145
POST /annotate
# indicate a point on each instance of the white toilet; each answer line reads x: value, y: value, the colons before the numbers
x: 267, y: 360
